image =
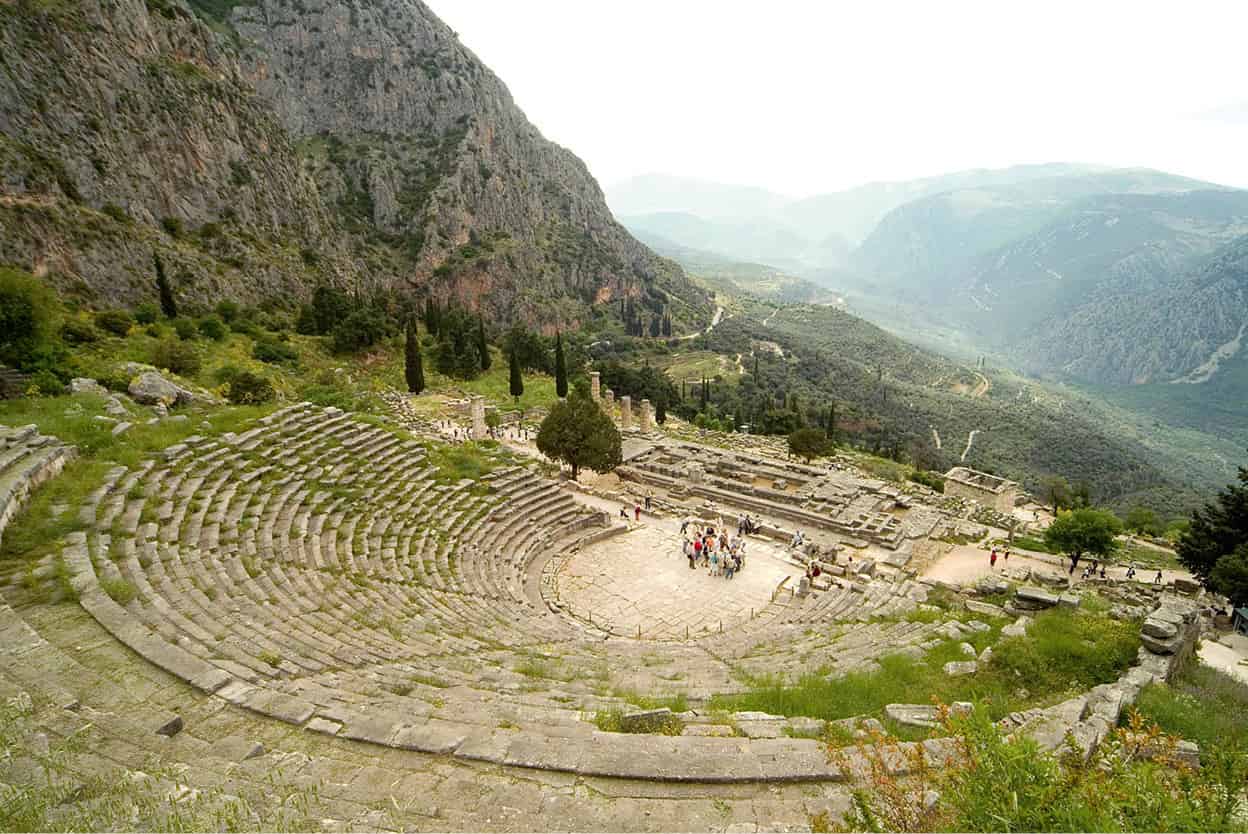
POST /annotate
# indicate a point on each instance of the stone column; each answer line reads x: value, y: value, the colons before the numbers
x: 647, y: 417
x: 626, y: 413
x: 595, y: 385
x: 477, y: 405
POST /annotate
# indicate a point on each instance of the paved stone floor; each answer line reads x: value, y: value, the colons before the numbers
x: 641, y: 579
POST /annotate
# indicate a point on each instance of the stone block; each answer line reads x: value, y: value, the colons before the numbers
x: 1034, y: 598
x: 644, y: 721
x: 985, y: 608
x: 957, y: 668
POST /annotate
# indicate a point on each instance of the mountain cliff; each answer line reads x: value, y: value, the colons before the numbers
x: 269, y: 146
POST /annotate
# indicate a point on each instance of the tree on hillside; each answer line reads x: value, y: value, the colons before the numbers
x: 809, y: 443
x: 1084, y: 532
x: 561, y: 370
x: 1218, y: 531
x: 167, y: 305
x: 413, y: 366
x: 1145, y: 521
x: 1056, y: 492
x: 433, y: 318
x: 515, y: 382
x: 28, y: 320
x: 660, y: 411
x: 1230, y: 576
x: 579, y: 433
x: 483, y: 347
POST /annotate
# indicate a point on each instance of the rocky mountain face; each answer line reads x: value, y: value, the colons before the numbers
x: 123, y: 129
x: 265, y: 147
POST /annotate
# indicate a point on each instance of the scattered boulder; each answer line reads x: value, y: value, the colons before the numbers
x: 150, y: 388
x: 989, y: 587
x: 923, y: 715
x: 968, y: 650
x: 121, y: 428
x: 84, y: 385
x: 985, y: 608
x: 644, y: 721
x: 957, y: 668
x: 114, y: 408
x: 171, y: 727
x: 1018, y: 628
x: 1034, y: 599
x: 1186, y: 586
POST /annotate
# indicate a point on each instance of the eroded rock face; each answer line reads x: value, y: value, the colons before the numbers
x: 429, y: 145
x: 257, y: 167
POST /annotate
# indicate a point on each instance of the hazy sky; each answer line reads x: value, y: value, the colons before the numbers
x: 806, y: 97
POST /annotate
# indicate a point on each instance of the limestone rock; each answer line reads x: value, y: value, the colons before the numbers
x: 83, y: 385
x: 1018, y: 628
x: 985, y: 608
x: 150, y: 388
x: 1034, y: 598
x: 957, y: 668
x: 171, y: 727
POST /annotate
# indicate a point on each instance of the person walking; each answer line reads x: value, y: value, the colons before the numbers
x: 649, y: 497
x: 992, y: 559
x: 636, y: 512
x: 1158, y: 580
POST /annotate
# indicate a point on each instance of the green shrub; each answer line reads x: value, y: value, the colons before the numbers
x: 44, y: 383
x: 156, y: 330
x: 121, y: 591
x: 211, y: 327
x: 179, y: 357
x: 273, y: 351
x: 362, y: 328
x: 146, y: 313
x: 928, y: 479
x: 995, y: 781
x: 116, y: 212
x: 246, y: 388
x: 174, y: 226
x: 29, y: 325
x: 117, y: 322
x: 76, y: 331
x: 227, y: 310
x: 185, y: 328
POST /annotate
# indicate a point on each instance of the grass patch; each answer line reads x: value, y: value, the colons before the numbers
x: 39, y: 530
x: 1064, y: 652
x: 1201, y: 704
x: 1033, y: 544
x: 464, y: 460
x: 612, y: 721
x: 118, y: 589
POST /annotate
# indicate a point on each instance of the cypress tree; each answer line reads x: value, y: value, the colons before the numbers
x: 756, y: 369
x: 660, y: 411
x: 515, y: 381
x: 705, y: 394
x: 483, y: 347
x: 167, y: 305
x: 561, y: 370
x: 433, y: 319
x: 413, y: 367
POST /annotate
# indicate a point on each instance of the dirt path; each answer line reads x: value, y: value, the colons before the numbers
x: 715, y: 320
x: 984, y: 386
x: 966, y: 564
x: 970, y: 441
